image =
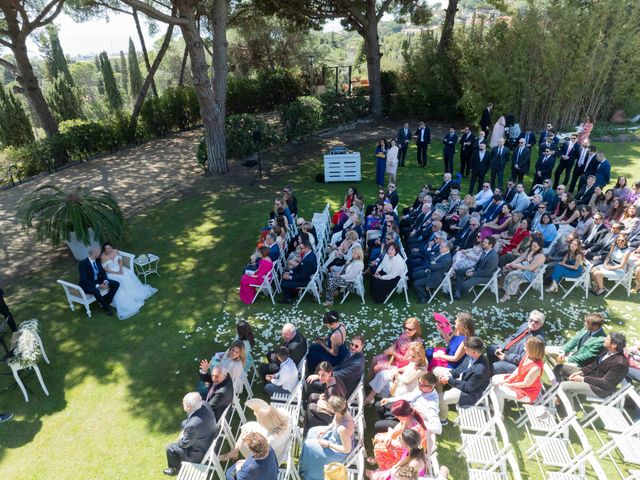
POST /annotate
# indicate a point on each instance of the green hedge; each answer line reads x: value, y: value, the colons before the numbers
x: 301, y: 117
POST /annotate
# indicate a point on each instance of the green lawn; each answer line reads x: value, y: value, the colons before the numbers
x: 115, y: 387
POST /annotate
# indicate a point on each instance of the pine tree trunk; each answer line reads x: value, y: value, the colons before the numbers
x: 183, y: 67
x: 372, y: 47
x: 447, y: 27
x: 218, y: 156
x: 145, y: 55
x: 149, y: 79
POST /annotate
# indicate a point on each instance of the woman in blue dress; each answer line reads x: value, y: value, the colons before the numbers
x: 454, y: 354
x: 326, y: 444
x: 331, y: 348
x: 547, y: 229
x: 572, y: 265
x: 381, y: 162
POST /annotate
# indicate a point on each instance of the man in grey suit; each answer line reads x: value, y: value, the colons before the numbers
x: 434, y: 273
x: 481, y: 273
x: 198, y: 432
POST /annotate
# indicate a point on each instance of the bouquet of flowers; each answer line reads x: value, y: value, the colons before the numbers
x: 27, y: 350
x: 143, y: 258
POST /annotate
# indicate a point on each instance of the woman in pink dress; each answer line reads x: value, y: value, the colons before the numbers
x: 499, y: 224
x: 396, y: 354
x: 247, y: 292
x: 585, y: 130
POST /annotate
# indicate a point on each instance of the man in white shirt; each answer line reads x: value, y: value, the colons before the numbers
x: 424, y: 399
x: 520, y: 200
x: 286, y: 379
x: 483, y: 197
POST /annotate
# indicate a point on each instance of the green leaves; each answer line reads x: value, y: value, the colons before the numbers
x: 54, y: 214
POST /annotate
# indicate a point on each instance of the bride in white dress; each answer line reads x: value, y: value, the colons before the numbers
x: 132, y: 293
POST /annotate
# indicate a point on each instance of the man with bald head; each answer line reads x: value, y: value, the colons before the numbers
x: 93, y: 280
x: 294, y: 341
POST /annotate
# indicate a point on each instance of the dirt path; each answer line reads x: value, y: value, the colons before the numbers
x: 143, y: 176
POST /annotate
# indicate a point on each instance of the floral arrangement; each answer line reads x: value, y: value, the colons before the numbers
x: 143, y: 258
x: 27, y: 351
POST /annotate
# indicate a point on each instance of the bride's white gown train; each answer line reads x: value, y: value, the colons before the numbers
x: 132, y: 293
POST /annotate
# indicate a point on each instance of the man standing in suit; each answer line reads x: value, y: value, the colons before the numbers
x: 485, y: 119
x: 93, y: 279
x: 589, y: 166
x: 198, y: 432
x: 468, y: 380
x: 480, y: 163
x: 521, y: 161
x: 481, y: 138
x: 423, y: 139
x: 600, y: 377
x: 294, y: 341
x: 404, y: 137
x: 219, y: 387
x: 568, y: 153
x: 505, y: 356
x: 449, y: 150
x: 544, y: 166
x: 433, y: 275
x: 467, y: 140
x: 578, y: 168
x: 529, y: 138
x: 481, y: 272
x: 499, y: 159
x: 544, y: 133
x: 299, y: 276
x: 603, y: 170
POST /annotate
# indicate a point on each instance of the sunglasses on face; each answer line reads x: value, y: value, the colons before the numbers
x: 355, y: 345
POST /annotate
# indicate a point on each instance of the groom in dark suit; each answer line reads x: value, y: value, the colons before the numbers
x: 93, y: 278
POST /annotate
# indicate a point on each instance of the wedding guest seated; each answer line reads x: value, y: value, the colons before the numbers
x: 583, y: 348
x: 520, y: 200
x: 388, y: 447
x: 523, y: 269
x: 499, y: 224
x: 468, y: 380
x: 397, y: 354
x: 458, y: 219
x: 468, y: 236
x: 521, y: 232
x: 598, y: 251
x: 341, y: 254
x: 596, y: 232
x: 93, y: 280
x: 481, y: 272
x: 331, y: 348
x: 132, y: 293
x: 630, y: 221
x: 432, y: 276
x: 390, y: 232
x: 467, y: 258
x: 375, y: 261
x: 296, y: 247
x: 505, y: 356
x: 299, y: 276
x: 346, y: 205
x: 491, y: 211
x: 348, y: 273
x: 351, y: 223
x: 547, y: 229
x: 349, y: 372
x: 247, y: 291
x: 524, y: 383
x: 398, y: 381
x: 294, y: 341
x: 388, y: 274
x: 262, y: 464
x: 219, y: 384
x: 423, y: 399
x: 585, y: 222
x: 272, y: 424
x: 453, y: 355
x: 326, y: 444
x: 413, y: 456
x: 569, y: 219
x: 290, y: 199
x: 571, y: 266
x: 419, y: 261
x: 197, y: 434
x: 600, y: 377
x: 233, y: 361
x: 287, y: 377
x: 615, y: 264
x: 317, y: 411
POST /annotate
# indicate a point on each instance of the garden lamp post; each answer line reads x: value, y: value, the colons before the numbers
x: 312, y: 59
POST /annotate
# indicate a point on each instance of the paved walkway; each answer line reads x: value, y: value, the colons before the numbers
x: 145, y: 175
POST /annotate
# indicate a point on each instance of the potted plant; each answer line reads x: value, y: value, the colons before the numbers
x: 80, y: 218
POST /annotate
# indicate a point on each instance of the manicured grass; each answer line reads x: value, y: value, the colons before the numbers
x: 115, y: 387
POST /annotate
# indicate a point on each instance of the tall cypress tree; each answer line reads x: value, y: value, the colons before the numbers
x: 64, y: 100
x: 124, y: 73
x: 15, y: 129
x: 135, y: 77
x: 99, y: 75
x: 55, y: 60
x: 110, y: 86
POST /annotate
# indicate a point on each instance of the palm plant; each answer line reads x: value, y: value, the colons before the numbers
x: 57, y: 214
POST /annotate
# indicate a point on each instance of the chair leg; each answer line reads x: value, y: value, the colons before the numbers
x: 46, y: 392
x: 86, y: 306
x: 19, y: 382
x: 44, y: 354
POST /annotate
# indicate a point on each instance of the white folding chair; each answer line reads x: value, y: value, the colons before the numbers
x: 625, y: 281
x: 512, y: 463
x: 402, y: 286
x: 628, y: 445
x: 266, y: 287
x: 487, y: 448
x: 537, y: 283
x: 583, y: 282
x: 612, y: 413
x: 314, y: 285
x: 193, y: 471
x: 475, y: 417
x: 555, y: 448
x: 492, y: 285
x: 356, y: 286
x: 446, y: 286
x: 75, y: 294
